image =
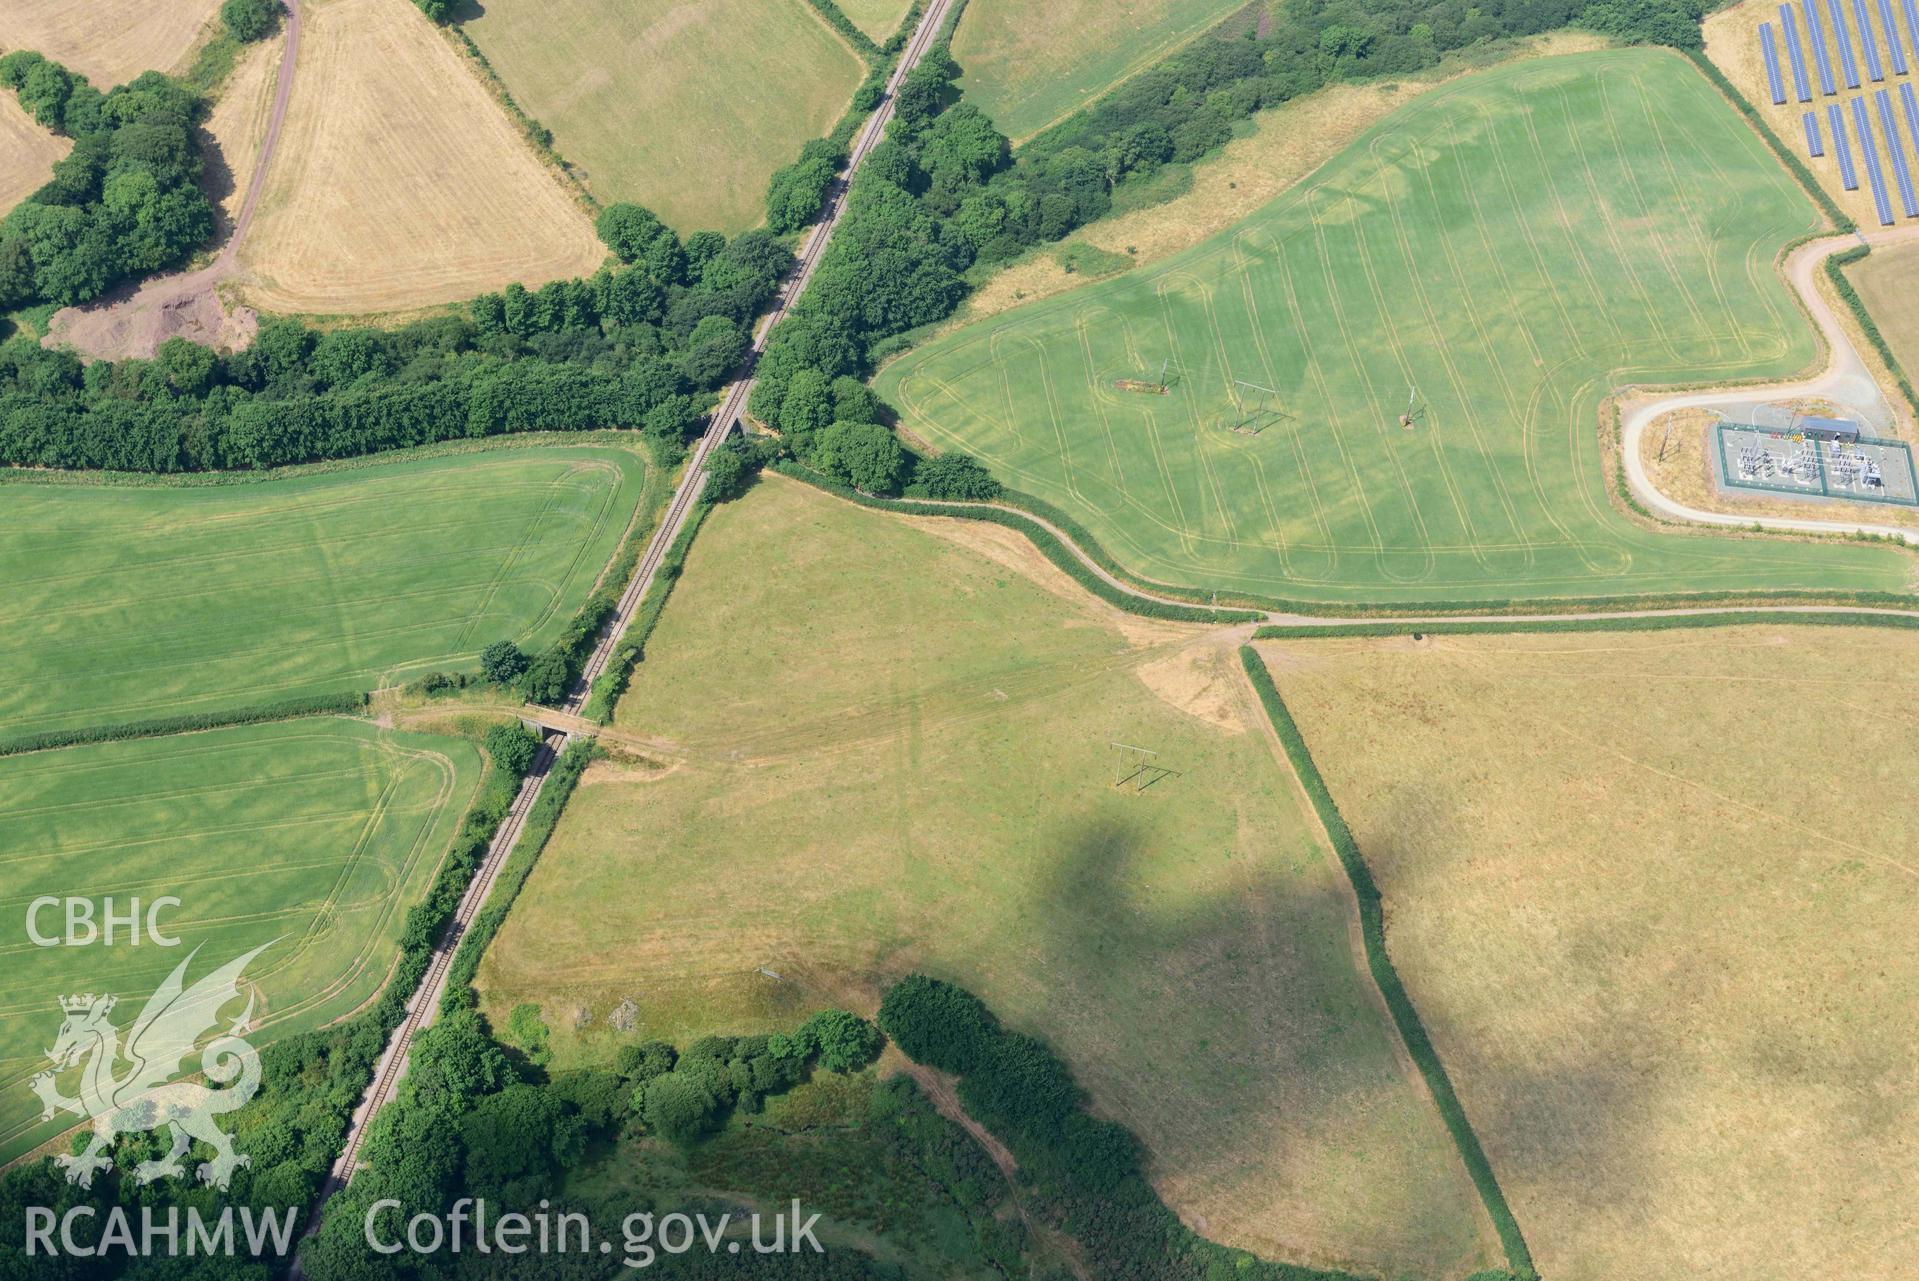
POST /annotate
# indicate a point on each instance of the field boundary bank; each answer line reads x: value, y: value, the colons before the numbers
x: 1072, y: 550
x: 1687, y: 621
x: 1412, y: 1030
x: 292, y: 709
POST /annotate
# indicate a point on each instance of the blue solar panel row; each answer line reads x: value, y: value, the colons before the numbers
x: 1910, y: 102
x: 1822, y: 56
x: 1848, y: 176
x: 1875, y: 176
x: 1790, y: 26
x: 1868, y: 41
x: 1813, y: 147
x: 1770, y: 52
x: 1843, y: 39
x: 1895, y: 48
x: 1901, y: 174
x: 1912, y: 23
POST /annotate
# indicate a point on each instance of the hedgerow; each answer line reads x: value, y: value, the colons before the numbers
x: 1373, y: 930
x: 1641, y: 623
x: 154, y: 727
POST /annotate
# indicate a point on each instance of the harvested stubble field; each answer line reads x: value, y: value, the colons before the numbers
x: 1030, y: 65
x: 1888, y: 283
x: 1504, y: 248
x: 1651, y: 892
x: 315, y: 835
x: 398, y: 181
x: 686, y: 108
x: 908, y: 767
x: 131, y: 602
x: 27, y: 153
x: 109, y: 44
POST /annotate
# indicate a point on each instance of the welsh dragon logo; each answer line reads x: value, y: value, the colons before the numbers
x: 143, y: 1097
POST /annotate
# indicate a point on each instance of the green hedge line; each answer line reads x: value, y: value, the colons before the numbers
x: 560, y: 781
x: 1372, y: 927
x: 844, y: 25
x: 285, y: 710
x: 1864, y: 318
x: 611, y: 684
x: 1048, y: 543
x: 1786, y: 156
x: 1656, y: 623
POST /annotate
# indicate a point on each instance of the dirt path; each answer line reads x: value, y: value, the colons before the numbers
x: 1846, y: 379
x: 188, y: 305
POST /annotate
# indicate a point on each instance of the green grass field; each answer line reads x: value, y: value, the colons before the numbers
x: 860, y: 774
x: 130, y: 602
x: 877, y: 18
x: 687, y: 109
x: 1510, y: 246
x: 317, y: 833
x: 1029, y: 65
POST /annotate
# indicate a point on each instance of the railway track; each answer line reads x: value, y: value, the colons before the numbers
x: 426, y: 997
x: 733, y: 402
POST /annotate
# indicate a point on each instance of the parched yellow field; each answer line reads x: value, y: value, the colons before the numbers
x: 1888, y: 283
x: 398, y: 182
x: 108, y: 41
x: 238, y: 121
x: 877, y: 18
x: 686, y: 108
x: 27, y: 153
x: 859, y: 774
x: 1028, y: 65
x: 1653, y: 894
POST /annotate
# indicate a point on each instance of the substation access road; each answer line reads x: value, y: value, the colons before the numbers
x: 424, y: 1004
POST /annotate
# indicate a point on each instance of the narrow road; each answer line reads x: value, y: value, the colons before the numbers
x: 1846, y: 379
x: 426, y: 997
x: 733, y: 400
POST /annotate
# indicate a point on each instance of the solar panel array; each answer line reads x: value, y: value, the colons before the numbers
x: 1828, y: 30
x: 1822, y: 56
x: 1790, y: 25
x: 1848, y: 176
x: 1769, y: 50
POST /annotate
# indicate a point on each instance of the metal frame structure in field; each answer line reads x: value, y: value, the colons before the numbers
x: 1795, y: 53
x: 1869, y: 150
x: 1821, y: 55
x: 1848, y: 64
x: 1895, y: 47
x: 1769, y: 50
x: 1841, y: 148
x: 1868, y: 42
x: 1778, y: 460
x: 1901, y: 171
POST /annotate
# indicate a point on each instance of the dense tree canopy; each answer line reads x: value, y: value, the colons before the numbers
x: 124, y: 202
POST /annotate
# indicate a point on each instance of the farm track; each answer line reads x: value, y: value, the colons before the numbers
x: 426, y: 996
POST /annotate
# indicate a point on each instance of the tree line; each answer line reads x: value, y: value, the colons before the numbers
x: 638, y: 345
